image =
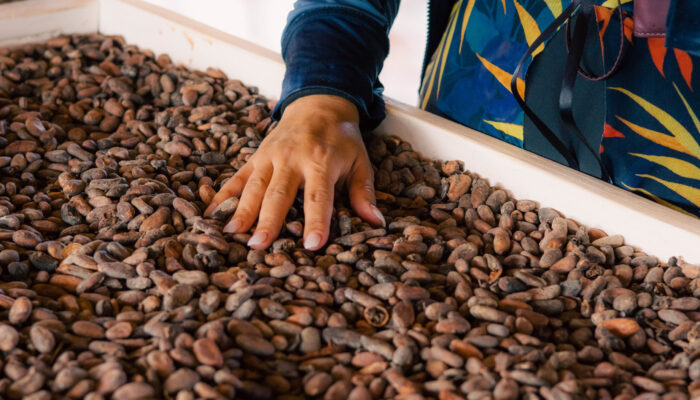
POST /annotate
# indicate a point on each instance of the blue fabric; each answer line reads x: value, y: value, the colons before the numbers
x: 479, y: 33
x: 683, y: 26
x: 338, y: 47
x: 649, y: 137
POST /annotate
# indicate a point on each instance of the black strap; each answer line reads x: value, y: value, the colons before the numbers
x: 565, y: 151
x: 621, y: 52
x: 566, y: 97
x: 586, y: 16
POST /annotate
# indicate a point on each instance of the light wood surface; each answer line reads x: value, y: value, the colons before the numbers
x: 32, y: 21
x: 192, y: 43
x: 654, y: 228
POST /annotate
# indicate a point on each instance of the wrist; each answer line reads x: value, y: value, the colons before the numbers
x: 325, y: 106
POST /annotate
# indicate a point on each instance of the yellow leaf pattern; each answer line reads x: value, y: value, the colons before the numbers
x: 677, y: 166
x: 614, y: 3
x: 502, y: 76
x: 434, y: 64
x: 532, y: 31
x: 692, y: 194
x: 446, y: 51
x: 684, y: 138
x: 509, y: 129
x: 687, y: 107
x: 680, y: 140
x: 430, y: 76
x: 655, y: 136
x: 555, y: 7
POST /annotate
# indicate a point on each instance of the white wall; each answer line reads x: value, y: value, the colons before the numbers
x: 262, y: 22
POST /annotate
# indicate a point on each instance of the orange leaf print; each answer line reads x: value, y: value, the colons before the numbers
x: 657, y: 49
x: 610, y: 132
x: 685, y: 63
x: 603, y: 14
x: 629, y: 28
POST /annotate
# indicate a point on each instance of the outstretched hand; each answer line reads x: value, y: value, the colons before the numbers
x: 316, y: 146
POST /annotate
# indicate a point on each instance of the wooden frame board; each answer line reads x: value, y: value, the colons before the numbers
x: 655, y: 229
x: 31, y: 21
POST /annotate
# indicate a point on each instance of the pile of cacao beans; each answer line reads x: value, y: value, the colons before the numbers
x: 113, y: 285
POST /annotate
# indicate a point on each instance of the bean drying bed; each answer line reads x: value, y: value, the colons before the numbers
x: 115, y: 286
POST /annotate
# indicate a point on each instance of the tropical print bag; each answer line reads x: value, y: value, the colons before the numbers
x: 642, y: 119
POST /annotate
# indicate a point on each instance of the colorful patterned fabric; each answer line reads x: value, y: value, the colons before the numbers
x: 651, y: 136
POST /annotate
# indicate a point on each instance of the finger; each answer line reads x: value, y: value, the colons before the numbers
x: 232, y: 188
x: 279, y: 197
x: 362, y: 198
x: 251, y: 199
x: 318, y: 207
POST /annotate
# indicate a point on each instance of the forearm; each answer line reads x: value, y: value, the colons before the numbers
x: 338, y: 48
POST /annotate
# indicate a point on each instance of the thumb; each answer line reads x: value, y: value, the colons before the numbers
x: 362, y: 197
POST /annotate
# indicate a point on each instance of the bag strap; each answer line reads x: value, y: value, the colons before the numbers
x: 622, y: 51
x: 586, y: 16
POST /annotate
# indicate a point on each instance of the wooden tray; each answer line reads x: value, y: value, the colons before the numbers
x: 655, y: 229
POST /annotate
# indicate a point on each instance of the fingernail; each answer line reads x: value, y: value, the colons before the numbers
x: 312, y: 241
x: 378, y: 213
x: 232, y: 226
x: 257, y: 238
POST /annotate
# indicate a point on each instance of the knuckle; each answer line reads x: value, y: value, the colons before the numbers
x: 256, y: 183
x: 278, y: 192
x: 228, y: 189
x: 319, y: 196
x: 236, y: 180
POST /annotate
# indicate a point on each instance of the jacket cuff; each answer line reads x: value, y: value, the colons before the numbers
x: 335, y: 52
x: 368, y: 121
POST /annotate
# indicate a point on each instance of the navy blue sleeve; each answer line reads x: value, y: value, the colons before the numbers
x: 338, y: 47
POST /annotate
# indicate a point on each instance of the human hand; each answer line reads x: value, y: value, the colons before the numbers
x: 316, y: 146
